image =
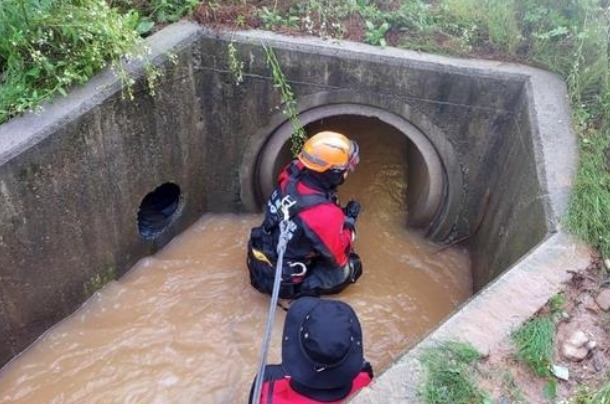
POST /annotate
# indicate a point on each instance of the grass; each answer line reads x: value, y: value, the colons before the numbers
x: 589, y: 211
x: 584, y: 395
x: 602, y: 396
x: 449, y: 375
x: 534, y: 342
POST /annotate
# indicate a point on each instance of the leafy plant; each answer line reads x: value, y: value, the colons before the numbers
x: 272, y: 19
x: 411, y: 16
x: 375, y: 34
x: 48, y: 46
x: 288, y: 102
x: 171, y: 10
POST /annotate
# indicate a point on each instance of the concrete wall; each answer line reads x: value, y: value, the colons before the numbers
x: 71, y: 181
x: 72, y: 178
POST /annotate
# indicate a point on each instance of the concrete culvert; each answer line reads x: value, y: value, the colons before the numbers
x: 427, y: 178
x: 487, y: 149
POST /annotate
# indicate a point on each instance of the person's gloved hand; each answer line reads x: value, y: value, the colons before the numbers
x: 351, y: 211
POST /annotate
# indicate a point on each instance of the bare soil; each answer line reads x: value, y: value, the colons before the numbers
x: 509, y: 381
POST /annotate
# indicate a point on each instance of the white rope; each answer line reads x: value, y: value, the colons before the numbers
x: 281, y: 248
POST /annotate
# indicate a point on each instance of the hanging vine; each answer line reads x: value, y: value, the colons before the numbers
x: 288, y: 102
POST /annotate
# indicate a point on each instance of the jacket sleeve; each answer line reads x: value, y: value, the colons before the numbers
x: 324, y: 226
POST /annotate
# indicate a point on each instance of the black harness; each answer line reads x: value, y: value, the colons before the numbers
x: 297, y: 202
x: 262, y: 246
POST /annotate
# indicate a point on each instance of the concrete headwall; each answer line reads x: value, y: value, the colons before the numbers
x: 73, y: 176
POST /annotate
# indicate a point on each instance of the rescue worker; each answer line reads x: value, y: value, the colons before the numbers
x: 322, y: 356
x: 319, y: 257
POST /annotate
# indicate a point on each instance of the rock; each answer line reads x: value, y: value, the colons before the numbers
x: 575, y: 347
x: 577, y: 339
x: 560, y: 372
x: 591, y: 345
x: 603, y: 299
x: 574, y: 354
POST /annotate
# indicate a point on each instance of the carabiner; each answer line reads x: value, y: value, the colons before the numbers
x: 286, y: 203
x: 298, y: 264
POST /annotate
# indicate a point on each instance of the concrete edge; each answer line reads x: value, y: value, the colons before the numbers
x: 22, y: 132
x: 555, y: 143
x: 489, y: 317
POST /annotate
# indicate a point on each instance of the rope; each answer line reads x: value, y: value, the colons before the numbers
x: 287, y: 202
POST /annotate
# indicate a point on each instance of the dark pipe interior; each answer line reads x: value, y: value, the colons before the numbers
x: 355, y: 126
x: 157, y: 210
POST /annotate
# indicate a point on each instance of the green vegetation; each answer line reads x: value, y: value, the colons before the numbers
x: 152, y: 13
x: 589, y: 216
x: 601, y: 396
x: 534, y: 342
x: 557, y: 303
x: 584, y: 395
x: 449, y: 375
x: 288, y: 102
x: 47, y: 46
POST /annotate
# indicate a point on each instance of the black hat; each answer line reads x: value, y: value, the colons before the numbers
x: 322, y: 345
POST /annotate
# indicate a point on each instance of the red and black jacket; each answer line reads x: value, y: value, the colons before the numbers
x: 278, y: 389
x: 320, y: 231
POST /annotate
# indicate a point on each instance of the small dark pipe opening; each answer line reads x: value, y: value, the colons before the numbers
x: 157, y: 210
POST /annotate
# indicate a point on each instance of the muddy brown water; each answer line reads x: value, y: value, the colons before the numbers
x: 185, y: 326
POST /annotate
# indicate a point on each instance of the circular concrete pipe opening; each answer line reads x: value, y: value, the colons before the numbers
x: 158, y: 209
x: 426, y: 178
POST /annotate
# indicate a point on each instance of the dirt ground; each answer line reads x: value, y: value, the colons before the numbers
x: 509, y: 381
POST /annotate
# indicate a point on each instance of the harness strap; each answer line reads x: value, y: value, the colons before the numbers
x: 303, y: 202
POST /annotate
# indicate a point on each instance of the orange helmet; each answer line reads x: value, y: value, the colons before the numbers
x: 329, y: 151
